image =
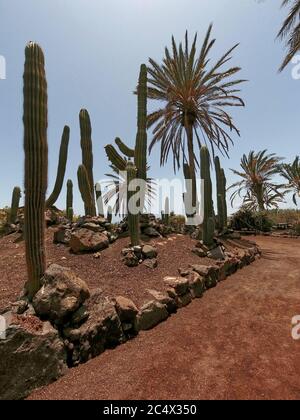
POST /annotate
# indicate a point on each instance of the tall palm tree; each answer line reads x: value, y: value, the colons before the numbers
x: 194, y: 94
x: 291, y: 172
x: 290, y: 30
x: 256, y: 185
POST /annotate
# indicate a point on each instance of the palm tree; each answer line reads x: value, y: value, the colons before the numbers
x: 194, y: 95
x: 291, y: 172
x: 256, y: 185
x: 290, y: 30
x: 271, y: 198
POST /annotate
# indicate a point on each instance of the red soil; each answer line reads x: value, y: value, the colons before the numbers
x: 108, y: 272
x: 235, y: 343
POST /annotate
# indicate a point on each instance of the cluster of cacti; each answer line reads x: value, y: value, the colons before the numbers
x: 15, y: 202
x: 221, y: 196
x: 84, y: 188
x: 133, y: 219
x: 87, y: 158
x: 35, y: 120
x: 139, y: 153
x: 208, y: 206
x: 61, y: 170
x: 69, y: 203
x: 99, y: 199
x: 166, y: 213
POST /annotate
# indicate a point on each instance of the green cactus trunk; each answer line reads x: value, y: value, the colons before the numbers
x: 209, y: 219
x: 35, y: 121
x: 15, y: 203
x: 166, y: 219
x: 69, y: 204
x: 61, y: 170
x: 85, y: 191
x: 115, y: 158
x: 87, y: 151
x: 127, y: 151
x: 99, y: 199
x: 141, y: 137
x: 221, y: 196
x: 109, y: 214
x: 133, y: 219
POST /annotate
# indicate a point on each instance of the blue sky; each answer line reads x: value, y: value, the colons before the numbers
x: 93, y: 52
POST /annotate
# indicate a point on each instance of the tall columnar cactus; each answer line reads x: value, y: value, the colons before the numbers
x: 35, y: 119
x: 99, y: 199
x: 221, y: 195
x: 166, y: 218
x: 209, y: 219
x: 61, y: 169
x: 127, y: 151
x: 85, y: 191
x: 87, y: 150
x: 15, y: 202
x: 69, y: 203
x: 109, y: 214
x: 133, y: 219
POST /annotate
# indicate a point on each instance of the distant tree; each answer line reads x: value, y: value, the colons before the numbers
x: 291, y: 172
x: 256, y: 188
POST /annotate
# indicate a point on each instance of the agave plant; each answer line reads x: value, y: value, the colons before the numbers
x: 290, y: 30
x: 256, y: 187
x: 291, y: 172
x: 194, y: 94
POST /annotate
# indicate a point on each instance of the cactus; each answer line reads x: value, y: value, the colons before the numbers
x: 133, y: 219
x: 221, y: 195
x: 87, y: 151
x: 114, y: 157
x: 109, y: 214
x: 69, y: 204
x: 35, y: 119
x: 99, y: 199
x: 209, y: 221
x: 166, y: 218
x: 85, y: 191
x: 61, y: 170
x: 15, y: 202
x: 127, y: 151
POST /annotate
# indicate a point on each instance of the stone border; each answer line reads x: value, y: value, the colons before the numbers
x: 88, y: 324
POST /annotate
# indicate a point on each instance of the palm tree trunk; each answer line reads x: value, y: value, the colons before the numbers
x: 190, y: 145
x: 260, y: 198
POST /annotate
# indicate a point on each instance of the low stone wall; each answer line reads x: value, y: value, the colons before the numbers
x: 67, y: 325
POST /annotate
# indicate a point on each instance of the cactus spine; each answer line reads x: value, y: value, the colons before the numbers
x: 221, y: 195
x: 99, y: 199
x: 15, y: 202
x: 85, y: 191
x: 87, y: 153
x: 35, y: 119
x: 69, y: 204
x: 209, y: 220
x: 133, y: 219
x: 61, y: 169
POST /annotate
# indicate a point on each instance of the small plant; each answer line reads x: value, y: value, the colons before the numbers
x: 69, y: 203
x: 246, y: 219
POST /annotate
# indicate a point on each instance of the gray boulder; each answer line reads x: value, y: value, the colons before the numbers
x: 151, y: 314
x: 62, y: 293
x: 85, y: 240
x: 31, y: 356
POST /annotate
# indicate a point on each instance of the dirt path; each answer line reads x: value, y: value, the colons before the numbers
x: 235, y: 343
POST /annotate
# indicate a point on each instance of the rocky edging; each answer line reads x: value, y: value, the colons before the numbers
x: 67, y: 324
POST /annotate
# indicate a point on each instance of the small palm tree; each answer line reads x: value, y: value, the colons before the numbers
x: 256, y: 186
x: 291, y: 172
x: 194, y: 95
x: 290, y: 30
x: 271, y: 198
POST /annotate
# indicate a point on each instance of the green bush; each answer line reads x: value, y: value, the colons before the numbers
x: 246, y: 219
